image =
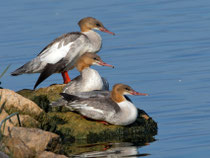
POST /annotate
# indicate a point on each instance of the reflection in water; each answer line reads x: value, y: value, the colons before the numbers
x: 115, y: 150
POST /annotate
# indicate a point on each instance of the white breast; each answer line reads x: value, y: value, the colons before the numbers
x: 91, y: 80
x: 128, y: 112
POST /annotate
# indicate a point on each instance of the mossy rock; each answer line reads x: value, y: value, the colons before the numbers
x: 74, y: 128
x: 81, y: 135
x: 52, y: 92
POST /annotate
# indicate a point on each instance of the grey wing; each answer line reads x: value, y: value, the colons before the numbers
x: 66, y: 38
x: 105, y: 84
x: 93, y: 94
x: 59, y: 102
x: 73, y: 86
x: 59, y: 49
x: 95, y: 108
x: 101, y: 105
x: 67, y: 47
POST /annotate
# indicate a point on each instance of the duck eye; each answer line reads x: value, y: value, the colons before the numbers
x: 98, y: 25
x: 127, y: 89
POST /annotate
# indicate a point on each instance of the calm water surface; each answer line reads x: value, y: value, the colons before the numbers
x: 161, y: 47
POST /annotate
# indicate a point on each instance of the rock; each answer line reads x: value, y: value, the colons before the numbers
x: 3, y: 148
x: 26, y: 121
x: 72, y: 126
x: 16, y: 103
x: 52, y: 92
x: 36, y: 139
x: 17, y: 148
x: 3, y: 115
x: 3, y: 155
x: 46, y: 154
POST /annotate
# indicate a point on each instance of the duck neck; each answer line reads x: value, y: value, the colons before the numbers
x: 117, y: 97
x: 81, y: 66
x: 84, y: 29
x: 95, y: 40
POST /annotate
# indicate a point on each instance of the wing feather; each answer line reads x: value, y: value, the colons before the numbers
x: 49, y: 70
x: 61, y: 46
x: 99, y: 103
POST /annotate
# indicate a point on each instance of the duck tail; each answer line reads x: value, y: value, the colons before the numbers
x: 59, y: 102
x: 21, y: 70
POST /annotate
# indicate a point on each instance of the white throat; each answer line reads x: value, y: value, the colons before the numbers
x: 95, y: 41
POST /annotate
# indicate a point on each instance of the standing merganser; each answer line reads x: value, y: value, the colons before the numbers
x: 89, y: 79
x: 113, y: 108
x: 61, y: 54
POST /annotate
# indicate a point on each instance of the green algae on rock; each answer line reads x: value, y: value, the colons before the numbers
x: 72, y: 126
x: 52, y: 92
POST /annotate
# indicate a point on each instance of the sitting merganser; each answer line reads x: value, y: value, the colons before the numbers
x: 113, y: 108
x: 89, y: 79
x: 61, y: 54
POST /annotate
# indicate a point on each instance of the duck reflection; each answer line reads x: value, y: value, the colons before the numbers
x: 116, y: 150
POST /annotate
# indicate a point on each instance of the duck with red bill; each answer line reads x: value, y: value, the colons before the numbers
x: 89, y: 79
x: 105, y: 64
x: 103, y: 29
x: 132, y: 92
x: 112, y: 107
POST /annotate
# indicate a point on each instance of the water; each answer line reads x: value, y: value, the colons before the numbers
x: 161, y: 47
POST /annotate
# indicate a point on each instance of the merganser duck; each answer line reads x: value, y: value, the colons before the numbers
x: 113, y: 108
x: 61, y: 54
x: 89, y: 79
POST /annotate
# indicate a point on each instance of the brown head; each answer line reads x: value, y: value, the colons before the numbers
x: 119, y: 90
x: 90, y: 23
x: 88, y: 59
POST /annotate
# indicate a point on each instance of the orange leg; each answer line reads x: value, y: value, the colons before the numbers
x: 103, y: 122
x: 66, y: 78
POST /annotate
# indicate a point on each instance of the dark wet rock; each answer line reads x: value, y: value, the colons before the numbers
x: 36, y: 139
x: 47, y: 154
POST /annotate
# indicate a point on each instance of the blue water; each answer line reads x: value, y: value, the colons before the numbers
x: 161, y: 47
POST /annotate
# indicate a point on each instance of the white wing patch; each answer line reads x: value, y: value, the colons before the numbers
x: 53, y: 54
x: 86, y: 107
